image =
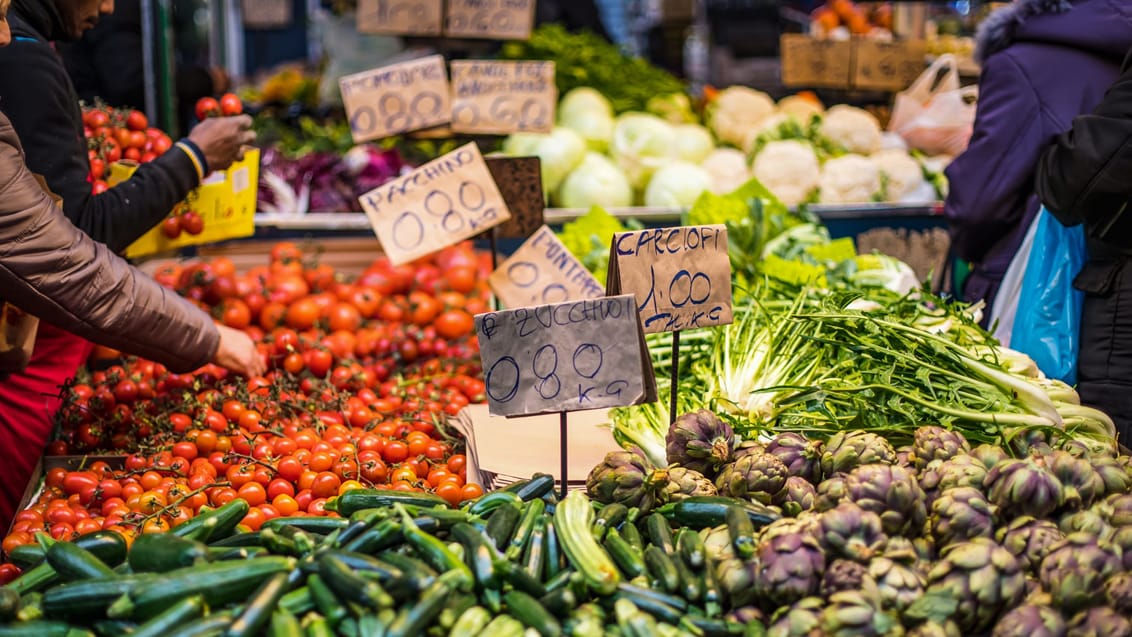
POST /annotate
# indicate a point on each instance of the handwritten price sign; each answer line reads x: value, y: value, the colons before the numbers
x: 542, y: 271
x: 401, y: 17
x: 441, y: 203
x: 397, y: 99
x: 491, y: 19
x: 565, y: 357
x: 681, y: 276
x: 500, y: 98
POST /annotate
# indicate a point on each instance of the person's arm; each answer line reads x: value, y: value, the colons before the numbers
x: 55, y: 272
x: 991, y: 181
x: 38, y: 100
x: 1085, y: 176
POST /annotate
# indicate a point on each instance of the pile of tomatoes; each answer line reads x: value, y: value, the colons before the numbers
x: 115, y: 134
x: 228, y: 105
x: 362, y: 376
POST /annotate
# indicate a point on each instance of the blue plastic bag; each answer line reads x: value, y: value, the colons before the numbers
x: 1048, y: 319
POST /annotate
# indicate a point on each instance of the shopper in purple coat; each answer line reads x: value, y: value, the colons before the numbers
x: 1044, y: 62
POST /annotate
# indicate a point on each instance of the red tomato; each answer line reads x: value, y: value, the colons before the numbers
x: 230, y: 104
x: 207, y: 107
x: 136, y: 121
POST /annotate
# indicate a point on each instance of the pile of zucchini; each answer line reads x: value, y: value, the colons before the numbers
x: 516, y: 562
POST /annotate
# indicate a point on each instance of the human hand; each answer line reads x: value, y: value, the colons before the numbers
x: 238, y: 353
x: 222, y: 139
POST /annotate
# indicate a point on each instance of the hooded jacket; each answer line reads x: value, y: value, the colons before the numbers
x: 1043, y: 63
x: 38, y: 97
x: 52, y: 270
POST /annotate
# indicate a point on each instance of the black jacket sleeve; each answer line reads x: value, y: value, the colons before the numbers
x: 37, y: 96
x: 1085, y: 176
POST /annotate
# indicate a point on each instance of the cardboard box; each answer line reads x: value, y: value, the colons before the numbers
x: 807, y: 62
x: 859, y: 63
x: 226, y: 200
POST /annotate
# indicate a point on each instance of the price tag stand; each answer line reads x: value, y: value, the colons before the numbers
x: 675, y: 377
x: 562, y: 451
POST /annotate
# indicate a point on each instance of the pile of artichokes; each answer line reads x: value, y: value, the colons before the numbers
x: 934, y: 539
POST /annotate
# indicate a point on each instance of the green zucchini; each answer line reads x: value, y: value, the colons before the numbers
x: 413, y: 620
x: 552, y: 564
x: 742, y: 532
x: 712, y: 627
x: 259, y: 609
x: 436, y: 553
x: 471, y: 622
x: 535, y: 554
x: 9, y: 604
x: 519, y: 579
x: 561, y: 602
x: 706, y: 511
x: 532, y: 511
x: 418, y: 575
x: 318, y: 627
x: 488, y: 503
x: 503, y: 626
x: 74, y: 563
x: 386, y: 534
x: 610, y: 516
x: 88, y: 598
x: 176, y: 615
x: 332, y: 608
x: 501, y: 525
x: 26, y: 556
x: 624, y: 555
x: 660, y: 533
x: 573, y: 518
x: 308, y: 523
x: 297, y: 602
x: 284, y: 624
x: 691, y: 547
x: 651, y: 604
x: 208, y: 626
x: 42, y: 629
x: 661, y: 569
x: 528, y: 610
x: 479, y: 554
x: 358, y: 499
x: 632, y: 535
x: 215, y: 524
x: 164, y: 552
x: 539, y: 485
x: 350, y: 586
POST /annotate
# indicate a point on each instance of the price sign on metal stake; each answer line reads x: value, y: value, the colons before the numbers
x: 397, y: 99
x: 401, y: 17
x: 500, y: 98
x: 491, y: 19
x: 542, y: 271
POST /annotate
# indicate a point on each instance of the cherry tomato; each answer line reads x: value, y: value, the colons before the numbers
x: 207, y: 107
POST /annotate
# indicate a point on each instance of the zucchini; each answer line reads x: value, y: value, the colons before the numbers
x: 31, y: 608
x: 573, y: 518
x: 705, y: 511
x: 113, y: 627
x: 713, y: 627
x: 26, y: 556
x: 519, y: 579
x: 552, y: 564
x: 364, y: 564
x: 561, y: 602
x: 333, y: 610
x: 610, y: 516
x: 9, y: 604
x: 297, y: 602
x: 386, y: 534
x: 164, y: 552
x: 89, y: 598
x: 350, y: 586
x: 239, y: 540
x: 318, y: 627
x: 632, y: 535
x: 529, y: 611
x: 42, y: 629
x: 176, y: 615
x: 413, y: 620
x: 471, y: 622
x: 539, y: 485
x: 742, y: 532
x: 479, y: 555
x: 284, y: 624
x: 357, y: 499
x: 535, y: 554
x: 691, y: 587
x: 215, y: 524
x: 218, y: 583
x: 416, y: 573
x: 209, y: 625
x: 653, y: 603
x: 624, y: 555
x: 532, y: 511
x: 259, y: 609
x: 488, y: 503
x: 503, y: 626
x: 436, y: 553
x: 661, y: 569
x: 308, y: 523
x: 107, y: 546
x: 660, y: 533
x: 691, y: 547
x: 453, y: 608
x: 74, y: 563
x: 501, y: 525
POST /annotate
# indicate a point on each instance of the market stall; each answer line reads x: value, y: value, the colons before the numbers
x: 555, y: 347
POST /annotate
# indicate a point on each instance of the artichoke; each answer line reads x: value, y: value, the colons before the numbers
x: 850, y: 532
x: 790, y: 564
x: 847, y: 450
x: 960, y: 514
x: 1080, y: 484
x: 960, y: 471
x: 1031, y: 620
x: 798, y: 620
x: 893, y: 494
x: 832, y: 491
x: 1122, y: 540
x: 1088, y: 521
x: 982, y: 577
x: 683, y: 483
x: 759, y: 477
x: 734, y: 575
x: 1028, y: 442
x: 699, y: 440
x: 1101, y: 621
x: 843, y: 575
x: 1023, y: 487
x: 797, y: 496
x: 746, y: 448
x: 625, y: 477
x: 1075, y: 570
x: 1118, y: 592
x: 898, y: 584
x: 857, y: 614
x: 1029, y: 540
x: 802, y: 457
x: 936, y: 443
x: 989, y: 455
x: 1117, y: 509
x: 905, y: 457
x: 935, y: 629
x: 1116, y: 480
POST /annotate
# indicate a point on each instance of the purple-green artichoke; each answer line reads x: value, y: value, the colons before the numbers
x: 892, y: 493
x: 747, y: 448
x: 802, y: 457
x: 982, y: 577
x: 850, y: 532
x: 735, y: 576
x: 800, y: 619
x: 936, y: 443
x: 701, y: 441
x: 847, y: 450
x: 790, y: 564
x: 758, y: 477
x: 1118, y: 592
x: 1075, y: 570
x: 832, y: 491
x: 857, y: 614
x: 625, y: 477
x: 1113, y: 474
x: 989, y: 455
x: 1023, y: 487
x: 1122, y: 540
x: 844, y: 575
x: 1080, y: 484
x: 898, y: 584
x: 960, y: 514
x: 1031, y: 620
x: 797, y: 496
x: 1030, y: 540
x: 1100, y: 621
x: 935, y: 629
x: 681, y: 482
x: 1089, y: 521
x: 1117, y: 509
x: 960, y: 471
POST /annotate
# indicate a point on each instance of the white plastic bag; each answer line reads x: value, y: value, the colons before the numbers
x: 935, y: 114
x: 1005, y: 305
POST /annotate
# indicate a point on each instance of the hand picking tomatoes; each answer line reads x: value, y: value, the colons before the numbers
x: 115, y: 134
x: 228, y: 105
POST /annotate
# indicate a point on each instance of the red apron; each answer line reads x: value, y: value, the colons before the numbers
x: 28, y: 401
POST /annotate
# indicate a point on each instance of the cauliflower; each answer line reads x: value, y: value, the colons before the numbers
x: 789, y: 169
x: 728, y: 170
x: 736, y: 111
x: 800, y: 108
x: 849, y: 179
x: 904, y: 174
x: 853, y: 128
x: 769, y: 127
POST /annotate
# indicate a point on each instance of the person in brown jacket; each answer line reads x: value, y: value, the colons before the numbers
x: 56, y: 273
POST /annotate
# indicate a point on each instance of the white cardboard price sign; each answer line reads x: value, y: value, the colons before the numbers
x: 500, y: 98
x: 542, y: 271
x: 491, y: 19
x: 571, y: 356
x: 396, y: 99
x: 680, y: 276
x: 267, y: 14
x: 445, y: 201
x: 401, y: 17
